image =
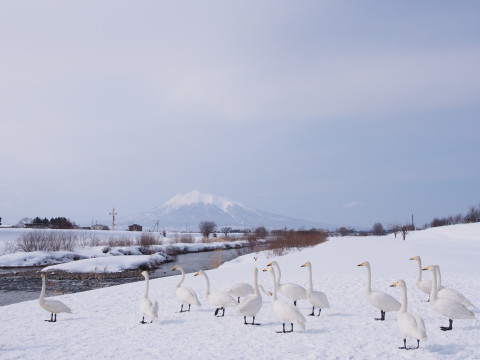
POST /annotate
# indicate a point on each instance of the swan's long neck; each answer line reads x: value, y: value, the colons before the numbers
x: 433, y: 291
x: 404, y: 306
x: 274, y: 285
x: 439, y: 278
x: 419, y: 274
x: 255, y: 282
x: 42, y: 293
x: 277, y: 268
x: 310, y: 282
x: 369, y: 279
x: 208, y: 283
x: 183, y: 277
x: 145, y: 295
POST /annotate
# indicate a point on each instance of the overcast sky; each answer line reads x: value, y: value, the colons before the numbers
x: 342, y: 112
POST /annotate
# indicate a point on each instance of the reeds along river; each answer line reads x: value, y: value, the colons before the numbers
x: 22, y: 284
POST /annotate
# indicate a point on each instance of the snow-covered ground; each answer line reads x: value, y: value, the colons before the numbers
x: 102, y: 258
x: 106, y: 323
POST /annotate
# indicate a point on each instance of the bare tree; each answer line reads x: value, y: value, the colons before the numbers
x: 225, y: 230
x: 261, y: 232
x: 405, y: 229
x: 378, y: 229
x: 395, y: 228
x: 207, y: 227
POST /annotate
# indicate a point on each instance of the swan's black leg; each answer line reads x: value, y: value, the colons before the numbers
x: 291, y: 329
x: 189, y: 307
x: 449, y: 327
x: 238, y: 298
x: 223, y: 313
x: 281, y: 331
x: 253, y: 323
x: 319, y: 311
x: 404, y: 345
x: 382, y: 316
x: 143, y: 320
x: 245, y: 320
x: 181, y: 309
x: 313, y: 312
x: 418, y: 343
x: 295, y: 302
x: 216, y: 311
x: 51, y: 318
x: 55, y: 318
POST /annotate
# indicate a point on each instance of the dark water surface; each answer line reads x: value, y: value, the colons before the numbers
x: 22, y: 284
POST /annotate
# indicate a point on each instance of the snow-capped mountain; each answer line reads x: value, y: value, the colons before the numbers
x: 186, y: 211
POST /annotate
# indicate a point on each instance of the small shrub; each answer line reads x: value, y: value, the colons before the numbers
x: 120, y: 241
x: 147, y: 239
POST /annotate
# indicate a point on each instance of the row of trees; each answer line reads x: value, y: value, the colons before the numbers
x: 54, y: 223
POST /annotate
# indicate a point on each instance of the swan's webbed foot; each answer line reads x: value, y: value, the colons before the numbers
x: 181, y: 309
x: 289, y: 331
x: 449, y: 327
x: 218, y: 309
x: 52, y: 319
x: 143, y: 320
x: 382, y: 316
x: 313, y: 312
x: 404, y: 347
x: 252, y: 323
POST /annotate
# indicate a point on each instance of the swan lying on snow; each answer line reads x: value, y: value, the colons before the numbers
x: 147, y: 307
x: 423, y: 285
x: 290, y: 290
x: 447, y: 307
x: 379, y: 299
x: 184, y: 294
x: 316, y: 298
x: 52, y: 306
x: 219, y: 299
x: 286, y: 312
x: 411, y: 325
x: 252, y: 304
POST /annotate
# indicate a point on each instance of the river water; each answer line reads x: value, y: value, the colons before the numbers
x: 24, y: 284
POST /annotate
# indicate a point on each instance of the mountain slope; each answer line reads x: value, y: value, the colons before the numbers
x: 186, y: 211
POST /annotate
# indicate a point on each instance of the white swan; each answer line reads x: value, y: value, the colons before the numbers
x: 52, y: 306
x: 290, y: 290
x: 147, y: 307
x: 411, y: 325
x: 252, y: 304
x: 316, y: 298
x: 447, y: 307
x: 423, y: 285
x: 285, y: 311
x: 448, y: 293
x: 379, y: 299
x: 241, y: 290
x: 184, y: 294
x: 219, y: 299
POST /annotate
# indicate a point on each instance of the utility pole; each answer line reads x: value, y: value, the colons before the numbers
x: 413, y: 226
x: 113, y: 213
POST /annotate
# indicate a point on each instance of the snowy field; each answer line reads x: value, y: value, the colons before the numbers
x: 105, y: 323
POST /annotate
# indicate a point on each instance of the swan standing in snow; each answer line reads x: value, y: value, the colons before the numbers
x: 219, y: 299
x: 285, y: 311
x: 447, y: 307
x: 448, y: 293
x: 52, y: 306
x: 316, y: 298
x: 252, y: 304
x: 379, y: 299
x: 290, y: 290
x: 423, y: 285
x: 241, y: 290
x: 184, y: 294
x: 147, y: 307
x: 411, y: 325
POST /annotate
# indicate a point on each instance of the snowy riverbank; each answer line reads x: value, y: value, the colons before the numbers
x: 105, y: 322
